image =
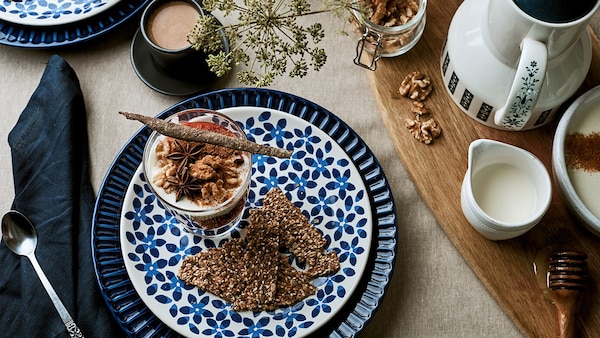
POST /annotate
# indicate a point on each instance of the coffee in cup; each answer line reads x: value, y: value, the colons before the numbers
x: 164, y: 25
x: 556, y: 11
x: 170, y: 22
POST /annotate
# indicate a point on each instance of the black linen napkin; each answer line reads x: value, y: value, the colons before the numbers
x: 49, y: 147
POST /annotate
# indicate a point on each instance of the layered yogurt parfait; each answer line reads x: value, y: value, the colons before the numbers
x: 204, y: 185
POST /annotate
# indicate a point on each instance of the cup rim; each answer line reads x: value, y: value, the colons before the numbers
x: 154, y: 137
x: 575, y: 22
x: 146, y: 15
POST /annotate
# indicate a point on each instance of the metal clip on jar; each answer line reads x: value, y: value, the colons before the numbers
x: 382, y: 41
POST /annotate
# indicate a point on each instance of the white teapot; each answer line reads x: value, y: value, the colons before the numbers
x: 510, y: 64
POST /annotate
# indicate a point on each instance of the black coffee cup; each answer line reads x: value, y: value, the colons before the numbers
x: 168, y: 47
x: 556, y: 11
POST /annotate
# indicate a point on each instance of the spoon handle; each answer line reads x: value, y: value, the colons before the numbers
x: 73, y: 329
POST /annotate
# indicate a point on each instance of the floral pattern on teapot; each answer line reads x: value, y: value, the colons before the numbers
x: 468, y: 101
x: 523, y: 103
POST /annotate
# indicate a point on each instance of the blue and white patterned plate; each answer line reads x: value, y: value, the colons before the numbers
x: 354, y: 214
x: 80, y: 30
x: 51, y: 12
x: 320, y: 179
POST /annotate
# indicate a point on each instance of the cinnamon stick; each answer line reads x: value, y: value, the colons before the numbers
x: 186, y: 133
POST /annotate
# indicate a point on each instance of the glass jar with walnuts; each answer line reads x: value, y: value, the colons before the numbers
x: 386, y: 28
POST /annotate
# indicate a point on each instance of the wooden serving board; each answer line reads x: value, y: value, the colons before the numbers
x: 504, y: 267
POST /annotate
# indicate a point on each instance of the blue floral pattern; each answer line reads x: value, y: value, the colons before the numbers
x: 319, y: 178
x: 50, y: 12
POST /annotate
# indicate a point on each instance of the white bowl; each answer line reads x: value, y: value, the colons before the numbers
x: 577, y: 187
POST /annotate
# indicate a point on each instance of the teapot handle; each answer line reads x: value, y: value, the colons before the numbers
x: 526, y: 87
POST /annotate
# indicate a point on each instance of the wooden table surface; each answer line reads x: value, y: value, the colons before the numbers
x: 504, y: 267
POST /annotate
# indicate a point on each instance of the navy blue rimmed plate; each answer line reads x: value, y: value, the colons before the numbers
x: 77, y: 31
x: 140, y: 312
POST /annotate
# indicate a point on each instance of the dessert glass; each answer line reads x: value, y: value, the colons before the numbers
x: 204, y: 220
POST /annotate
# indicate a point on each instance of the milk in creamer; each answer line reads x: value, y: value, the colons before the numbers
x: 505, y: 192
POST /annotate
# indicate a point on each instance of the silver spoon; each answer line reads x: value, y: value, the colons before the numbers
x: 20, y: 237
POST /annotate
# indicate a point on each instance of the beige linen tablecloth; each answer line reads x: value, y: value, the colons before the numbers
x: 433, y: 292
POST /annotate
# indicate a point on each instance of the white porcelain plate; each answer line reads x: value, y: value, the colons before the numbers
x: 51, y: 12
x: 320, y: 179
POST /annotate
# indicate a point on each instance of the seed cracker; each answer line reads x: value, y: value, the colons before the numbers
x: 252, y: 274
x: 299, y: 236
x: 262, y: 264
x: 216, y: 271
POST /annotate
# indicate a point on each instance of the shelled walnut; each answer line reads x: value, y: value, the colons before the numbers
x: 391, y: 13
x: 416, y: 86
x: 422, y: 127
x: 424, y: 131
x: 419, y: 108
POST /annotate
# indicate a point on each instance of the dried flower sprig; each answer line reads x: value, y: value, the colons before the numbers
x: 267, y: 38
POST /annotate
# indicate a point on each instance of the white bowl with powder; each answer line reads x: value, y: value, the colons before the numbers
x: 576, y: 158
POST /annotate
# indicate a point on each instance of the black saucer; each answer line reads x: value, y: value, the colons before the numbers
x: 158, y: 79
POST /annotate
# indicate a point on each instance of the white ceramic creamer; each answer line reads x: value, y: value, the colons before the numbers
x: 510, y: 64
x: 506, y: 190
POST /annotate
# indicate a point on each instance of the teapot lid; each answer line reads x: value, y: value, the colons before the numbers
x: 556, y: 11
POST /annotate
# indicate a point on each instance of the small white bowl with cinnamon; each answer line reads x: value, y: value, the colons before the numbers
x: 576, y: 158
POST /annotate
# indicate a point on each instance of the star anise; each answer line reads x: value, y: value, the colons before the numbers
x: 185, y: 152
x: 184, y: 185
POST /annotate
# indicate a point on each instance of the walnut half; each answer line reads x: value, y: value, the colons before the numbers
x: 424, y: 131
x: 416, y: 86
x: 419, y: 108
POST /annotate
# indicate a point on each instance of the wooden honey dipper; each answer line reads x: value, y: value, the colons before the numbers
x: 567, y: 278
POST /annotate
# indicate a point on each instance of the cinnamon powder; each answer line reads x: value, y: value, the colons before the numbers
x: 582, y: 151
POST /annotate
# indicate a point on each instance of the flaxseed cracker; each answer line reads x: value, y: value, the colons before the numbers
x: 292, y: 285
x: 261, y: 259
x: 217, y: 270
x: 250, y: 273
x: 299, y: 236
